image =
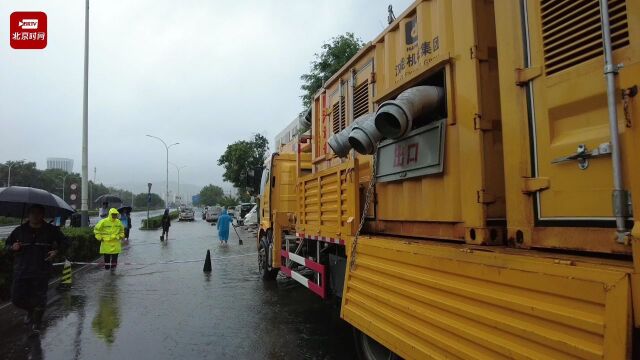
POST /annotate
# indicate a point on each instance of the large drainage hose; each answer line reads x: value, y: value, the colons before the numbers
x: 395, y: 118
x: 364, y: 136
x: 339, y: 142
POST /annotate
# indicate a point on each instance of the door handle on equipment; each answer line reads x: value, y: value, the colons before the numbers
x: 582, y: 155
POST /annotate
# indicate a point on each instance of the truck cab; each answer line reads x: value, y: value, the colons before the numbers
x: 277, y: 206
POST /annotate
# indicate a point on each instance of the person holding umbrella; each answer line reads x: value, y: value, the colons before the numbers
x: 125, y: 219
x: 110, y: 232
x: 33, y: 244
x: 103, y: 212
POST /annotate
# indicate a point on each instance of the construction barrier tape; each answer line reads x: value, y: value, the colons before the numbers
x: 156, y: 263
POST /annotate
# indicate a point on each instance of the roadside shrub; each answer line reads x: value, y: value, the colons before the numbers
x: 6, y: 221
x: 84, y: 247
x: 155, y: 222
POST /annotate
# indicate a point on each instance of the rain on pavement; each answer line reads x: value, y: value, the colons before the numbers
x: 175, y: 311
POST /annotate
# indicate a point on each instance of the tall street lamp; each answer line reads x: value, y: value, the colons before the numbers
x: 178, y: 168
x: 84, y: 189
x: 10, y: 166
x: 167, y: 183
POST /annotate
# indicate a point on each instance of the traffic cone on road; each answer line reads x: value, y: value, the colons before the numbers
x: 207, y: 263
x: 66, y: 275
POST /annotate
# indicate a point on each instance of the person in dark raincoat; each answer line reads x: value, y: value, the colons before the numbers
x: 34, y: 245
x: 223, y: 227
x: 166, y: 224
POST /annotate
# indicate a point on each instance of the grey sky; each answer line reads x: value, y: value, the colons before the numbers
x: 202, y: 73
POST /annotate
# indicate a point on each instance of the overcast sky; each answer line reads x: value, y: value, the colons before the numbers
x: 202, y: 73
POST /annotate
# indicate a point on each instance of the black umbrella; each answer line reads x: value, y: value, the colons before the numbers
x: 15, y: 200
x: 110, y: 198
x: 123, y: 208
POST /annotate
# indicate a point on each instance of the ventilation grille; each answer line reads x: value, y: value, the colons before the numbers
x: 338, y: 116
x: 571, y: 31
x: 361, y: 100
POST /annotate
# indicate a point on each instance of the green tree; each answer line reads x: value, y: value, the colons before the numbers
x: 211, y: 195
x: 333, y: 56
x: 241, y: 158
x: 229, y: 201
x: 140, y: 201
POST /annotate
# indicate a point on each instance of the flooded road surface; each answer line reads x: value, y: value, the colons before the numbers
x: 175, y: 311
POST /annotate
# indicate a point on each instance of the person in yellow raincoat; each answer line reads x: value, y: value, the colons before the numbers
x: 110, y: 232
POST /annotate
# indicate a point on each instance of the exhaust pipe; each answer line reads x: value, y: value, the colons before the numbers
x: 394, y: 118
x: 304, y: 121
x: 340, y: 143
x: 364, y: 136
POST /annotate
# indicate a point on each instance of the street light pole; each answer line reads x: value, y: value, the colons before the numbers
x: 167, y: 181
x: 10, y: 166
x: 178, y: 168
x: 84, y: 208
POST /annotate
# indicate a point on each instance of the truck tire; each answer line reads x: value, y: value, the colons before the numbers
x: 369, y: 349
x: 267, y: 273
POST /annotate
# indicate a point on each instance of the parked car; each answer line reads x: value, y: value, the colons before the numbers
x: 252, y: 217
x: 186, y: 214
x: 213, y: 213
x: 242, y: 210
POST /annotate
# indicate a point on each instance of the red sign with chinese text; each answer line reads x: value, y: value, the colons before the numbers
x: 28, y: 30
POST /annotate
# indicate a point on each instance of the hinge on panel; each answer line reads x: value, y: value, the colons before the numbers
x: 479, y: 53
x: 479, y: 123
x: 523, y: 76
x: 483, y: 197
x: 372, y: 77
x: 532, y: 185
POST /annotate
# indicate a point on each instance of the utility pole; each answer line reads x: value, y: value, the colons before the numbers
x: 84, y: 208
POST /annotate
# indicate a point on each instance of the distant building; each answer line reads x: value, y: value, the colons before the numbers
x: 60, y: 163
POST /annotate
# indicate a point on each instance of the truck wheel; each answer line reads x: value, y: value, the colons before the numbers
x: 266, y: 271
x: 369, y: 349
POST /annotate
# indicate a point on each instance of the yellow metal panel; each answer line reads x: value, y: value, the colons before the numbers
x: 569, y: 99
x: 466, y: 53
x: 418, y: 41
x: 428, y: 300
x: 329, y: 201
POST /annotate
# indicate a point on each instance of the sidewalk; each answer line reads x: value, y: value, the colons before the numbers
x: 12, y: 317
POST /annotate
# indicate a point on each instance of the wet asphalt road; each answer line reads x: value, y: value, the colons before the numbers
x: 175, y: 311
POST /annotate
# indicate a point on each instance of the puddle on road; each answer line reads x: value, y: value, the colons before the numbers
x: 177, y: 311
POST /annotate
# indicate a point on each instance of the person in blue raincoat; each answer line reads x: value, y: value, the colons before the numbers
x: 223, y: 227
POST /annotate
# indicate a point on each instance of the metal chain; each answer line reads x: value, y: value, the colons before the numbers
x: 365, y: 209
x: 626, y: 95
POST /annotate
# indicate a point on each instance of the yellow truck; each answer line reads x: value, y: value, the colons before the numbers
x: 465, y: 186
